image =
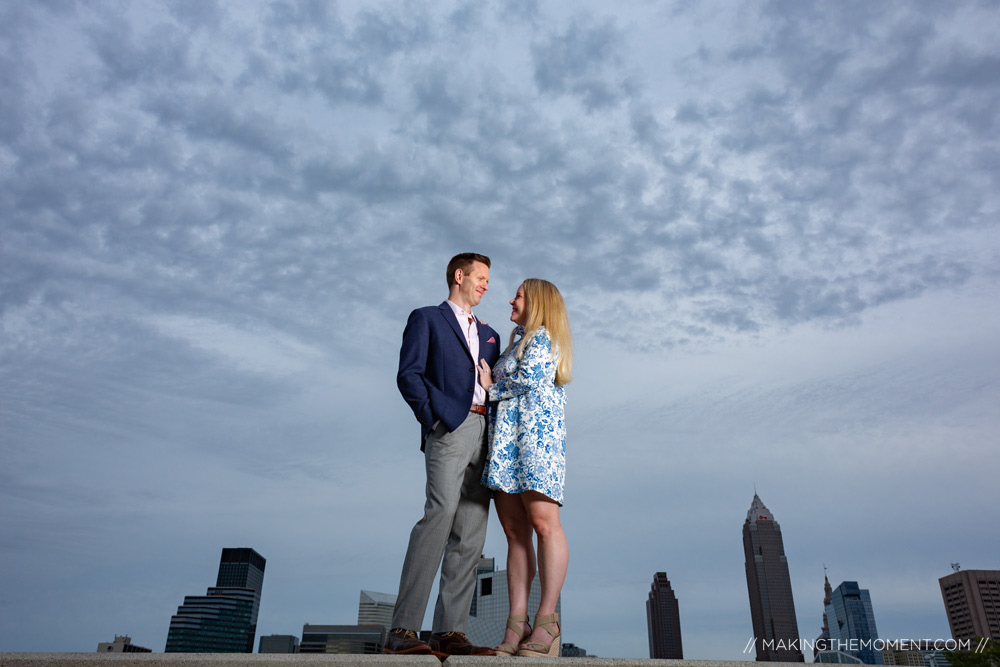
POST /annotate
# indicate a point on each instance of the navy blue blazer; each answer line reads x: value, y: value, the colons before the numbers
x: 437, y: 374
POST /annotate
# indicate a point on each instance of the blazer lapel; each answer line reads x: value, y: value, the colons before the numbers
x: 449, y: 316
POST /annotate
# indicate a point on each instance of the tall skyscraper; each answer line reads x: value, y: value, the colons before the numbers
x: 972, y: 602
x: 772, y: 609
x: 663, y: 620
x: 376, y: 608
x: 224, y: 620
x: 852, y: 623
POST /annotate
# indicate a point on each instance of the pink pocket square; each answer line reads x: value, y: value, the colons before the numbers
x: 492, y: 340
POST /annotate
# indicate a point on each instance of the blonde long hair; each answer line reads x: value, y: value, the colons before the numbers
x: 547, y: 308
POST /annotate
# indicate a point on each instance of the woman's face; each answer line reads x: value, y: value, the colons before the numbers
x: 519, y: 308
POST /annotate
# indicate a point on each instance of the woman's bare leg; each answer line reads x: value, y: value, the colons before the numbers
x: 520, y: 554
x: 553, y: 553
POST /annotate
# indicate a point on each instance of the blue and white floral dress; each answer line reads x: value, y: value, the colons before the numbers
x: 527, y: 427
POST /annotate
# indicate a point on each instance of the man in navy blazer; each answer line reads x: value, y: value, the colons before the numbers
x: 438, y: 378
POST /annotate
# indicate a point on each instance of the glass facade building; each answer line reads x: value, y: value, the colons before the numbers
x: 241, y: 568
x: 224, y: 620
x: 772, y: 608
x: 852, y: 623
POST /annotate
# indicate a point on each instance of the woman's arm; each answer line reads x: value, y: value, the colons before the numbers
x: 535, y: 368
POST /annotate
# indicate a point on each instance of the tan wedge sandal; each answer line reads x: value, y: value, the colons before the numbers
x: 515, y: 623
x: 549, y: 623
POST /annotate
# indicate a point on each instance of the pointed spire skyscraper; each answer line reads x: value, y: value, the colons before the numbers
x: 823, y: 641
x: 772, y: 609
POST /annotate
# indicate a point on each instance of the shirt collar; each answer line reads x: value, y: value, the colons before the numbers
x: 458, y: 310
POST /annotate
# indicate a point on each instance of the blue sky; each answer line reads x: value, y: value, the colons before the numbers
x: 775, y: 225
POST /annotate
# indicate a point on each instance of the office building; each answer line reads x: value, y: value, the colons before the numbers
x: 852, y: 623
x: 121, y: 644
x: 485, y: 566
x: 906, y: 657
x: 934, y: 657
x: 278, y: 644
x: 663, y: 621
x: 972, y: 602
x: 917, y: 653
x: 490, y: 607
x: 351, y: 639
x: 772, y: 609
x: 376, y: 608
x: 224, y: 620
x: 569, y: 650
x: 241, y: 568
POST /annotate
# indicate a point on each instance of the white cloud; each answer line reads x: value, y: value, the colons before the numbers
x: 265, y: 352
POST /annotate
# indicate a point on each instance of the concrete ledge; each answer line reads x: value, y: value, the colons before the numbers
x: 284, y: 660
x: 209, y: 660
x: 459, y: 661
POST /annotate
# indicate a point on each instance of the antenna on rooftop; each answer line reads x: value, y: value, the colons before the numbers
x: 956, y: 567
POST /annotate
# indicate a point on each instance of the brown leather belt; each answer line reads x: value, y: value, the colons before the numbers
x: 478, y: 409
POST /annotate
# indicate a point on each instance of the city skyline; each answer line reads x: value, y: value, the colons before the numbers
x: 371, y: 602
x: 775, y: 226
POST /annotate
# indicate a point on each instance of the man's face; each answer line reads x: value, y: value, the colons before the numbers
x: 473, y: 285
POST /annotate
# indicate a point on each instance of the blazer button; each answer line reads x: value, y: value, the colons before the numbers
x: 470, y: 391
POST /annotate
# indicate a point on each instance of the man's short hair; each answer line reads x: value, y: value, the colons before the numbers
x: 464, y: 262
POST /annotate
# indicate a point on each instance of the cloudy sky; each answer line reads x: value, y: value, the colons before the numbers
x: 775, y: 224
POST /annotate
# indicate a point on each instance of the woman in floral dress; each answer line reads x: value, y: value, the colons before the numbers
x: 526, y: 465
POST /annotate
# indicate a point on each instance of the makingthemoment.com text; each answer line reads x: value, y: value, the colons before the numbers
x: 854, y: 645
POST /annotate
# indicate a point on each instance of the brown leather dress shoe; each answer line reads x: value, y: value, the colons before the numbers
x: 456, y: 643
x: 405, y: 642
